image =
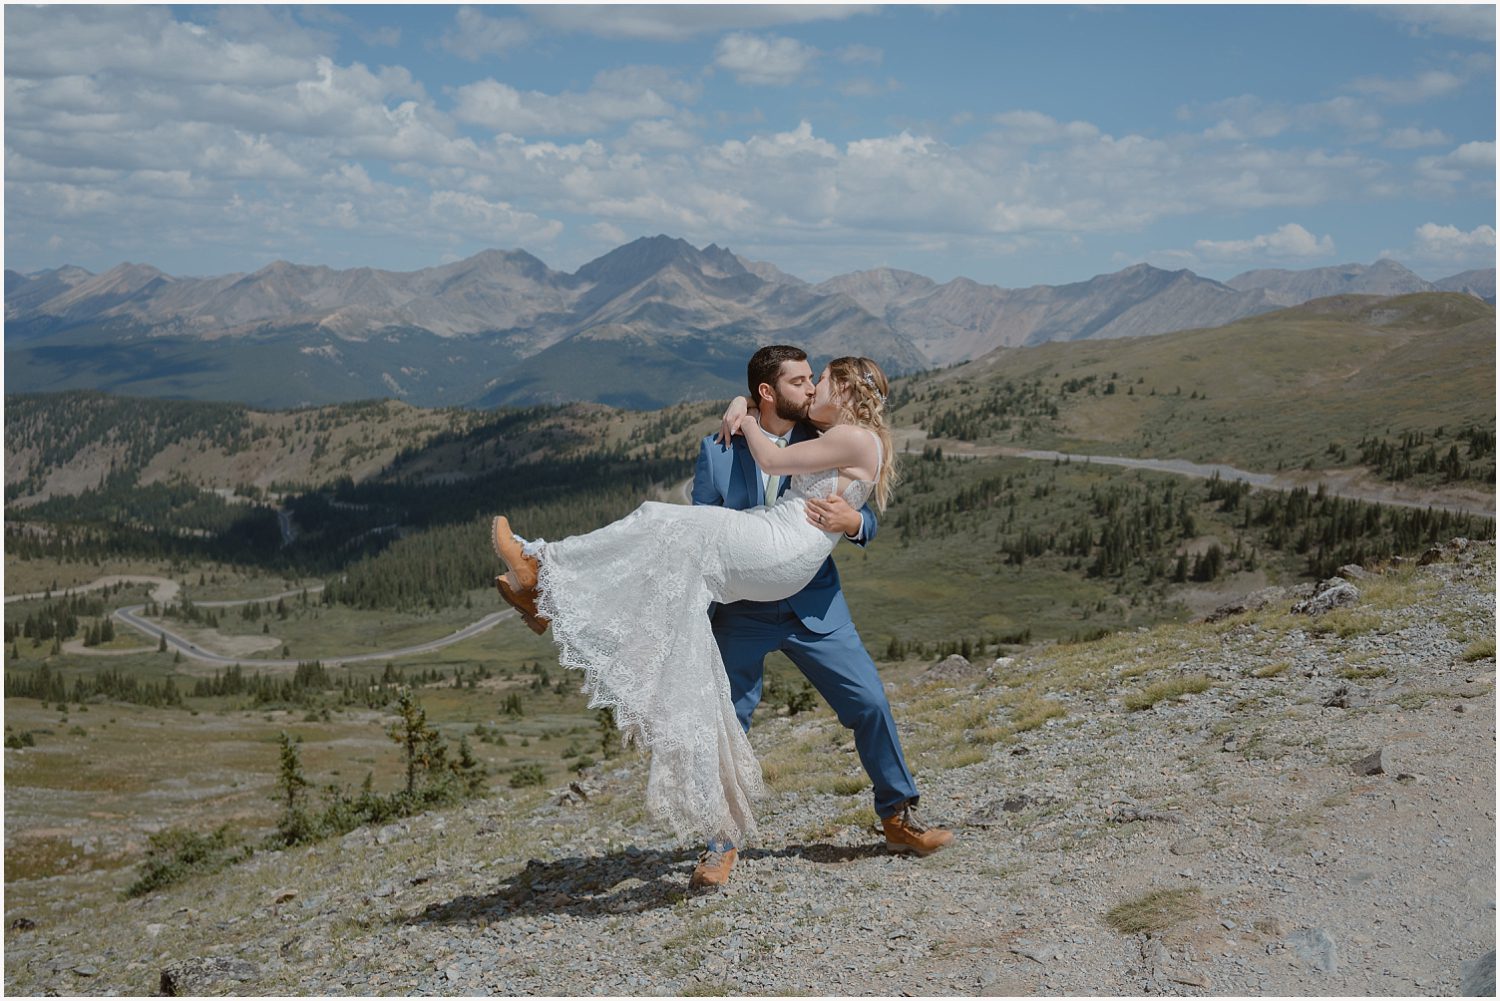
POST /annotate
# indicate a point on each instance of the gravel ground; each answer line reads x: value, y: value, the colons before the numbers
x: 1244, y: 804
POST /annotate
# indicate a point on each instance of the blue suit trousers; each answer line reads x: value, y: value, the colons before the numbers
x: 838, y: 666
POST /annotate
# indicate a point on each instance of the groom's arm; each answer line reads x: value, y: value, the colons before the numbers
x: 704, y: 491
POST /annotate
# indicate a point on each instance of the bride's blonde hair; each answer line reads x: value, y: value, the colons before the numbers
x: 863, y: 391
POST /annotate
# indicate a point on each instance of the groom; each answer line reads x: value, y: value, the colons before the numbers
x: 812, y: 627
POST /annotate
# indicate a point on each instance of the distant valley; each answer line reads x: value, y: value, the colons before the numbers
x: 652, y: 323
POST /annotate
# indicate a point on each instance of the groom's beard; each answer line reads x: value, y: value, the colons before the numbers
x: 790, y: 410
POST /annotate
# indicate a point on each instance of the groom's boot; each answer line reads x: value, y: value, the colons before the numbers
x: 904, y: 833
x: 714, y: 865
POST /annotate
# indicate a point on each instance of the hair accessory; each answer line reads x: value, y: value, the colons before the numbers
x: 870, y: 381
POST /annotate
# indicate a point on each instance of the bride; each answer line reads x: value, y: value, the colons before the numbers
x: 628, y: 603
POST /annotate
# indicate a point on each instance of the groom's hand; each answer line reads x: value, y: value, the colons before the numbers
x: 833, y: 514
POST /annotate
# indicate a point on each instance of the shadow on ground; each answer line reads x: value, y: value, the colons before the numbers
x: 621, y: 882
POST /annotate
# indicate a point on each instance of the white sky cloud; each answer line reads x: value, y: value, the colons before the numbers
x: 503, y: 108
x: 861, y: 55
x: 1414, y: 138
x: 475, y: 35
x: 763, y: 59
x: 1289, y: 241
x: 1472, y: 21
x: 1433, y: 240
x: 681, y: 23
x: 249, y: 133
x: 1422, y: 87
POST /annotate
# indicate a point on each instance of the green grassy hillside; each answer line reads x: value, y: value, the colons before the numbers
x: 1266, y: 393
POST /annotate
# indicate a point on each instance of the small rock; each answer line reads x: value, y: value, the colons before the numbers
x: 23, y: 924
x: 86, y: 970
x: 1195, y: 845
x: 1316, y: 948
x: 283, y: 896
x: 388, y: 833
x: 1043, y: 953
x: 1478, y: 977
x: 1353, y: 571
x: 1002, y: 663
x: 1430, y: 557
x: 1339, y: 699
x: 1373, y: 764
x: 1190, y: 979
x: 154, y: 929
x: 1271, y: 926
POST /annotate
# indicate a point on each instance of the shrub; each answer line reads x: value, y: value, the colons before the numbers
x: 174, y: 855
x: 527, y: 775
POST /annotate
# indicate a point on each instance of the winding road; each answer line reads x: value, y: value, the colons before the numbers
x: 166, y: 590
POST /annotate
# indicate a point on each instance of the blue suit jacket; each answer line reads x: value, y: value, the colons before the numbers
x: 727, y: 476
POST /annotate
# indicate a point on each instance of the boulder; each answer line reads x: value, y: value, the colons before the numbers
x: 1252, y: 602
x: 1479, y: 977
x: 1331, y: 594
x: 950, y: 668
x: 207, y: 975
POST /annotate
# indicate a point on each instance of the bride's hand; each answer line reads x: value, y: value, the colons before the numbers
x: 735, y: 418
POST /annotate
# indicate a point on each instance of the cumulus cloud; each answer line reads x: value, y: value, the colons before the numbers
x: 1248, y: 117
x: 475, y: 35
x: 763, y: 59
x: 1445, y: 242
x: 501, y: 107
x: 681, y: 23
x: 864, y: 54
x: 1414, y: 138
x: 1474, y: 160
x: 1289, y: 241
x: 1475, y: 22
x: 1032, y: 127
x: 1422, y: 87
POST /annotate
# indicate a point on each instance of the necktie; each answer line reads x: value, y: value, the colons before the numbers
x: 773, y: 483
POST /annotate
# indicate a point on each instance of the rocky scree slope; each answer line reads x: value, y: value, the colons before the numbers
x: 1312, y: 814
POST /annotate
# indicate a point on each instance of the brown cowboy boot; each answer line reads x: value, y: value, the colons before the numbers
x: 524, y: 602
x: 904, y: 833
x: 712, y: 870
x: 508, y: 549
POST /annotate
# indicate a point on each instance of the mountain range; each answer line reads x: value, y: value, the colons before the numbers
x: 654, y: 322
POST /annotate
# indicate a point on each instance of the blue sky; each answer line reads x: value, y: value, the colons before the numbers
x: 1014, y: 145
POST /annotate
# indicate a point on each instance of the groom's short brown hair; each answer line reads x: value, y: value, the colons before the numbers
x: 765, y: 365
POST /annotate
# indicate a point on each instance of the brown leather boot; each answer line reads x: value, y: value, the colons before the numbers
x: 508, y: 549
x: 904, y: 833
x: 524, y: 602
x: 713, y: 869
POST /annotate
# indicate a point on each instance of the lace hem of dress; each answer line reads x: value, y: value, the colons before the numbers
x: 632, y: 618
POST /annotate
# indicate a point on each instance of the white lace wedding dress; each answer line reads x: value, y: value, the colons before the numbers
x: 629, y: 605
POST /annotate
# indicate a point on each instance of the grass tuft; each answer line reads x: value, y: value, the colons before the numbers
x: 1191, y: 685
x: 1480, y: 650
x: 1156, y: 911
